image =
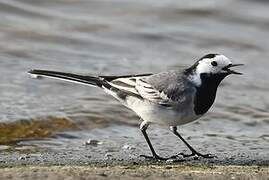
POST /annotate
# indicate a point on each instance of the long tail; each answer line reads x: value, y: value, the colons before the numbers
x: 81, y: 79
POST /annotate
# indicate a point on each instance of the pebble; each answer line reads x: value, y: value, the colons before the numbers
x: 170, y: 160
x: 93, y: 142
x: 128, y: 147
x: 24, y: 157
x: 108, y: 155
x: 3, y: 147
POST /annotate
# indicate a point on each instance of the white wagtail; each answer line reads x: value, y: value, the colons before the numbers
x: 170, y: 98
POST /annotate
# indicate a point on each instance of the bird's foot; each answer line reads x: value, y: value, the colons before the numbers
x: 155, y: 157
x: 196, y: 155
x: 174, y: 158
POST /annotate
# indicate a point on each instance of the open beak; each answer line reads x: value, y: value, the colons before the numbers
x: 229, y: 71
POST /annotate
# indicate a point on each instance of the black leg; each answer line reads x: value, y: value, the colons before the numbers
x: 193, y: 151
x: 143, y: 128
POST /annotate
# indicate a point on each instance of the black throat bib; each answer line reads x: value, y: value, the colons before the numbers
x: 206, y: 93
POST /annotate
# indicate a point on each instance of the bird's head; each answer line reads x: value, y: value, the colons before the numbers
x: 215, y: 66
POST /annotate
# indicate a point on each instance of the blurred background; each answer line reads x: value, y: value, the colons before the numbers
x: 115, y: 37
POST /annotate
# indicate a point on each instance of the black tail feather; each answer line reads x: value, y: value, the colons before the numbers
x: 89, y: 80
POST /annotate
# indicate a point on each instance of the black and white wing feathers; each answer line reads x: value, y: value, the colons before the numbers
x: 170, y: 88
x: 167, y: 88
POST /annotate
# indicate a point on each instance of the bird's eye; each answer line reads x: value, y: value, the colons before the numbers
x: 214, y: 63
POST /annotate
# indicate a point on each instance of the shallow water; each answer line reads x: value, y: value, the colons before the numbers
x: 118, y: 37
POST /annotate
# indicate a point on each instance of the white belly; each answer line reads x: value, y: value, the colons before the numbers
x: 154, y: 113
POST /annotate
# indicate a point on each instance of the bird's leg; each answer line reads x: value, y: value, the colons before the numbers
x: 143, y: 127
x: 193, y: 151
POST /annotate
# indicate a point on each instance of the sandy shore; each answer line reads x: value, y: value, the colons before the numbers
x: 119, y: 156
x: 135, y: 172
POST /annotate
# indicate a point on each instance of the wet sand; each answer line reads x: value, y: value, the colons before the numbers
x: 118, y: 157
x: 124, y: 148
x: 135, y: 172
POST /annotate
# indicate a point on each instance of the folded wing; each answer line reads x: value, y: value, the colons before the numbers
x: 167, y: 88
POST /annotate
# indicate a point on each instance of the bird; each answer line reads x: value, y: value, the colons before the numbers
x: 170, y: 98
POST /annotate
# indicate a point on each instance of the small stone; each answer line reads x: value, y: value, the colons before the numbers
x: 93, y: 142
x: 107, y: 155
x: 168, y: 167
x: 170, y: 160
x: 3, y: 147
x: 128, y: 147
x: 24, y: 157
x: 102, y: 174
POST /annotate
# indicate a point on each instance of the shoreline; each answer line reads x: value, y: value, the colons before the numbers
x: 176, y: 171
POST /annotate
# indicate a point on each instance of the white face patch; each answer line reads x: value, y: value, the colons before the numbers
x: 213, y: 65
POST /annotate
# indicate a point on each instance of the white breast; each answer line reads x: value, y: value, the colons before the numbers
x: 154, y: 113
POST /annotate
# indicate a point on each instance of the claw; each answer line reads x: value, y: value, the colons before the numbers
x: 208, y: 156
x: 186, y: 155
x: 197, y: 155
x: 156, y: 157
